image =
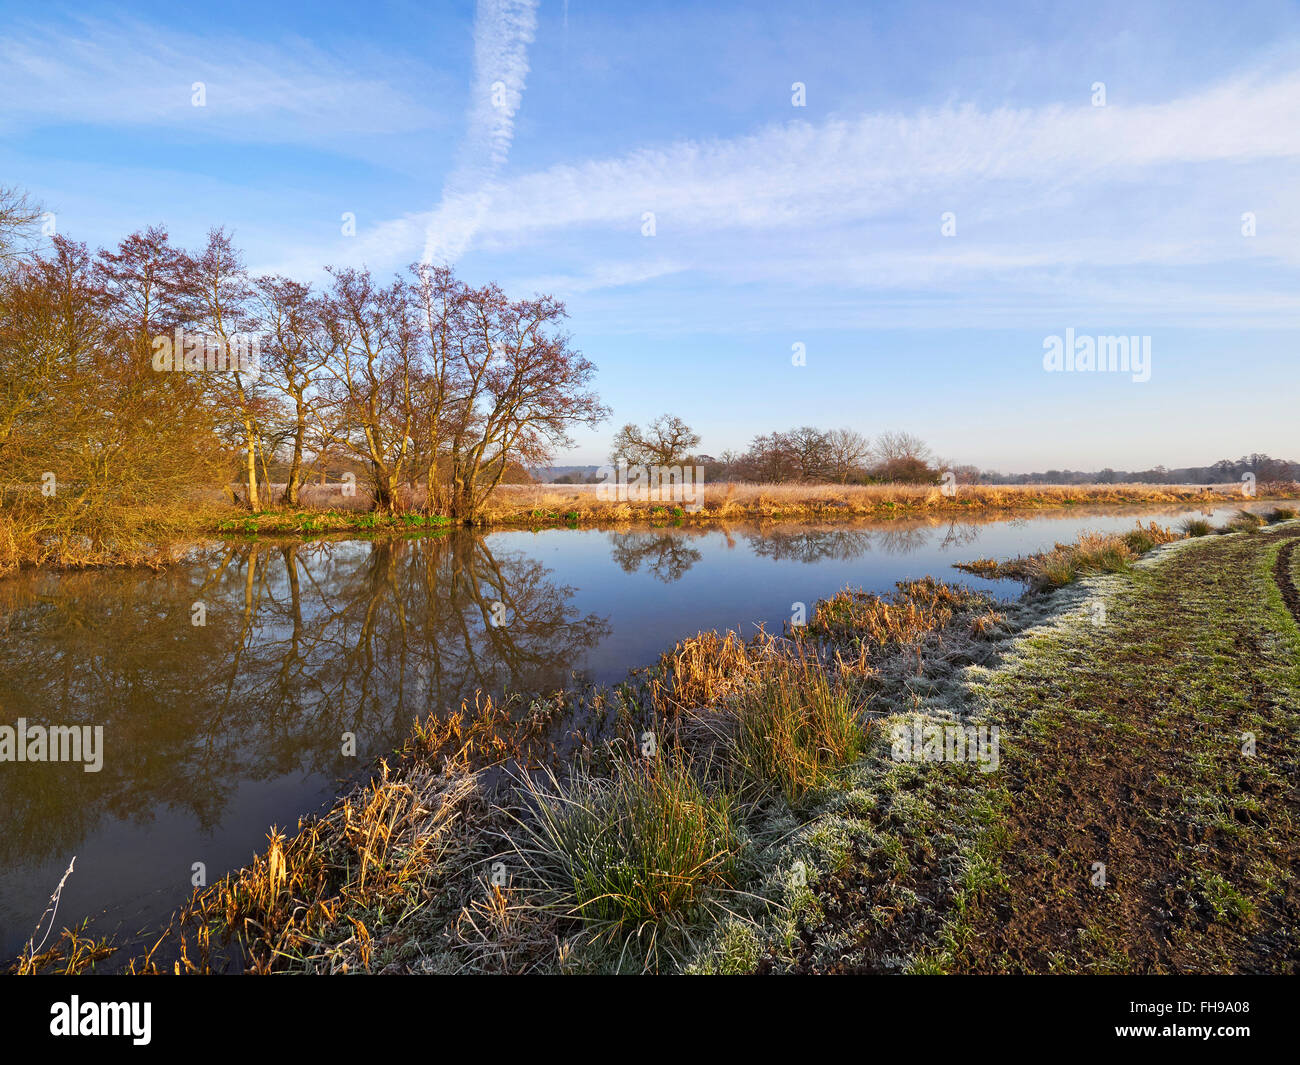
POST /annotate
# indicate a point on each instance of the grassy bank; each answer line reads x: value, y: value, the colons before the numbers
x: 537, y: 506
x: 1148, y: 819
x: 65, y: 534
x: 62, y: 533
x: 778, y: 805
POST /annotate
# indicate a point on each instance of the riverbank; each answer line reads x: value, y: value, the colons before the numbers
x: 772, y: 805
x: 59, y: 534
x: 546, y: 506
x: 1148, y: 816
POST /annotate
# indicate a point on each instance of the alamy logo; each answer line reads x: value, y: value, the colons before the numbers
x: 237, y: 353
x: 1084, y: 353
x: 102, y: 1018
x: 57, y: 743
x: 653, y: 484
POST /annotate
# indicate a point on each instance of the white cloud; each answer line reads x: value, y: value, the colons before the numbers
x: 799, y: 174
x: 603, y: 275
x: 1060, y: 210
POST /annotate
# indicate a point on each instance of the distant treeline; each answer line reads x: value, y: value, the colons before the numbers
x: 1263, y: 467
x: 807, y: 455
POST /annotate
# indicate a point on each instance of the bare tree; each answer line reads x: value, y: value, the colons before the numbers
x: 520, y: 388
x: 902, y: 456
x: 809, y: 451
x: 666, y: 441
x: 439, y: 309
x: 18, y: 217
x: 217, y: 293
x: 296, y: 350
x: 768, y: 460
x: 373, y: 364
x: 847, y: 453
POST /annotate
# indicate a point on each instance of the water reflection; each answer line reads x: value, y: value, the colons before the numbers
x: 813, y: 545
x: 665, y: 554
x: 300, y: 644
x: 960, y: 534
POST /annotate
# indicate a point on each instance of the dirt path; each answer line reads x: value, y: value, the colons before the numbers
x: 1141, y: 833
x: 1283, y: 573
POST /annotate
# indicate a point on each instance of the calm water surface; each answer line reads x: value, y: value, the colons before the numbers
x: 214, y: 733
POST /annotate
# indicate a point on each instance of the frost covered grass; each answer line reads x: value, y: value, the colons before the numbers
x: 1147, y: 819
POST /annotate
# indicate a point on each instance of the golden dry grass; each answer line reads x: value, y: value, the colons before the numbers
x: 33, y: 534
x: 515, y: 504
x: 59, y: 534
x: 702, y: 670
x: 1092, y: 552
x: 72, y: 952
x: 329, y: 897
x: 320, y: 898
x: 908, y: 616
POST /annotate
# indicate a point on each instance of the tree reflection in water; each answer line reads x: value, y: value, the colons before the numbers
x: 812, y: 545
x: 301, y: 643
x: 666, y: 554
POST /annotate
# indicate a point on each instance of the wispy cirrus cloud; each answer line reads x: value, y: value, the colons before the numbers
x: 116, y: 74
x: 798, y: 174
x: 1053, y: 204
x: 1053, y: 197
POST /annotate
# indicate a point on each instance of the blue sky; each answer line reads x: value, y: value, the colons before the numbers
x: 526, y: 143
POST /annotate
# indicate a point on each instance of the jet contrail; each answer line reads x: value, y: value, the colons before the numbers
x: 503, y: 30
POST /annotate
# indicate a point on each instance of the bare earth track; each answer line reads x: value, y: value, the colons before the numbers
x: 1129, y: 747
x: 1285, y: 582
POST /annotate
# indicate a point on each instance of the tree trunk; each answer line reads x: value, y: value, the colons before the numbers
x: 254, y: 503
x: 385, y: 499
x: 295, y: 471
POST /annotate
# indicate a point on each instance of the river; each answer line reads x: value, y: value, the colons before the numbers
x: 225, y: 685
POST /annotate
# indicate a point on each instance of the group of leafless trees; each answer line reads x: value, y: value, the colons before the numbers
x: 835, y: 456
x: 804, y: 455
x: 431, y: 388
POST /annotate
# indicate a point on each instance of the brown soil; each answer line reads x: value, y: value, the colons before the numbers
x: 1138, y: 765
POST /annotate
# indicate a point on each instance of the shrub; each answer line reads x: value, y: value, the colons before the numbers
x: 797, y: 727
x: 1243, y: 521
x: 646, y: 847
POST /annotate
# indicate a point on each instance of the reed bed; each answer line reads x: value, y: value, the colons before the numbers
x: 797, y: 727
x: 1096, y: 552
x: 577, y: 505
x: 1092, y: 552
x: 334, y: 895
x: 63, y: 535
x: 916, y: 609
